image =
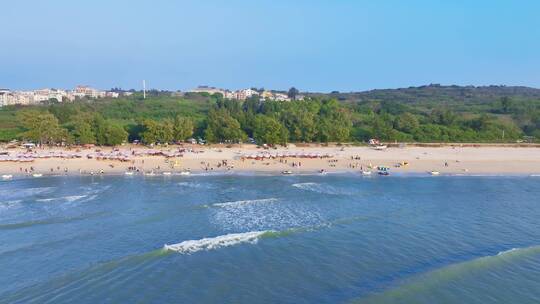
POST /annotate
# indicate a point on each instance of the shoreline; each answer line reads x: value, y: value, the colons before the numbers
x: 248, y: 159
x: 180, y: 177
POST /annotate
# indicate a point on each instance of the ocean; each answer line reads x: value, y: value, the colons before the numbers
x: 270, y: 239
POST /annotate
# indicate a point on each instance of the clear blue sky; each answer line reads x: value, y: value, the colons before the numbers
x: 313, y: 45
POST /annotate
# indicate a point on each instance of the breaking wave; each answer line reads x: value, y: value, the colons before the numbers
x: 245, y: 202
x: 192, y: 246
x: 321, y: 188
x: 194, y: 185
x: 69, y: 199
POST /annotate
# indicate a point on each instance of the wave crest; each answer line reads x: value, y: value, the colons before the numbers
x: 192, y: 246
x: 321, y: 188
x: 246, y: 202
x: 71, y: 198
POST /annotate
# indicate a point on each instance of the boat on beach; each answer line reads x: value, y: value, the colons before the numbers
x: 7, y: 176
x: 128, y: 173
x: 366, y: 173
x: 286, y: 172
x: 434, y: 172
x: 167, y: 173
x: 185, y: 172
x: 37, y: 175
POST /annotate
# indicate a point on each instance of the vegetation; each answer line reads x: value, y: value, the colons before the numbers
x: 423, y: 114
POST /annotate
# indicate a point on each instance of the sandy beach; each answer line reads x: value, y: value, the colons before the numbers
x: 496, y: 160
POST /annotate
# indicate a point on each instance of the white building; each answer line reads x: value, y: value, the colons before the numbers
x: 112, y: 94
x: 86, y: 91
x: 8, y: 97
x: 281, y: 97
x: 245, y: 93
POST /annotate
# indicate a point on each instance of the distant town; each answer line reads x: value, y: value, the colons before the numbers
x: 243, y: 94
x: 13, y: 97
x: 8, y: 97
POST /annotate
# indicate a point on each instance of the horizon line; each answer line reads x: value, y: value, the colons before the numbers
x: 283, y: 90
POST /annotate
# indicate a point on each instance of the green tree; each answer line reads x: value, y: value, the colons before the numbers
x: 406, y: 122
x: 443, y: 116
x: 151, y: 133
x: 269, y: 130
x: 108, y: 133
x: 166, y: 131
x: 183, y: 128
x: 334, y: 123
x: 115, y: 134
x: 506, y: 104
x: 292, y: 93
x: 42, y: 127
x: 100, y: 129
x: 83, y: 133
x: 222, y: 127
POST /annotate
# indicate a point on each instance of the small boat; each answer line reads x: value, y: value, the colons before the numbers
x: 380, y: 147
x: 151, y: 173
x: 167, y: 173
x: 366, y: 172
x: 7, y: 176
x: 185, y: 173
x: 37, y: 175
x: 286, y: 172
x: 128, y: 173
x: 434, y: 172
x: 382, y: 170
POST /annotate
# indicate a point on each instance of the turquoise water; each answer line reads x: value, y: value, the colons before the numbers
x: 270, y: 239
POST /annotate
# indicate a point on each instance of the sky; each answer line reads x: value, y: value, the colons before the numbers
x: 315, y: 45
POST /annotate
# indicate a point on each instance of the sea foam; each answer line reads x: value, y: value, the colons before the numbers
x: 321, y: 188
x: 24, y: 193
x: 245, y: 202
x: 192, y: 246
x: 10, y: 204
x: 69, y: 199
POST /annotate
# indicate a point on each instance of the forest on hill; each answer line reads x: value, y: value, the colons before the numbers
x: 431, y: 113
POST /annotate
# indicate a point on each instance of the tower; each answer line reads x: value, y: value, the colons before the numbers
x: 144, y: 89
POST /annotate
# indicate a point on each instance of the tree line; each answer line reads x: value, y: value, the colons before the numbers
x: 164, y: 119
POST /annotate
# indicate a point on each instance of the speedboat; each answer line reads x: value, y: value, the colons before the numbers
x: 37, y: 175
x: 366, y: 172
x: 286, y: 172
x: 434, y: 172
x: 7, y: 176
x: 128, y: 173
